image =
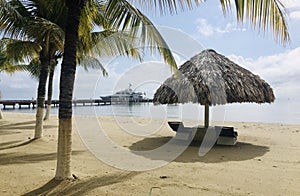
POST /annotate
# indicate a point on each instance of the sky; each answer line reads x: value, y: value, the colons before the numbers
x: 187, y: 33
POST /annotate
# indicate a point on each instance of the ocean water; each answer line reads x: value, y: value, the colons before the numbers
x: 278, y: 112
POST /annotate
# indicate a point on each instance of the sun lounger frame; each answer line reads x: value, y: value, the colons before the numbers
x: 226, y: 136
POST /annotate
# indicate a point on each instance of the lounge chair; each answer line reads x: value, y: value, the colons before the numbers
x: 226, y: 136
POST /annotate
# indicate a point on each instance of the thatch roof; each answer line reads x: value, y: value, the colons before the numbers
x: 211, y: 78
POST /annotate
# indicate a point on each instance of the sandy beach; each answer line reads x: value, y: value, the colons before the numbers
x: 265, y: 161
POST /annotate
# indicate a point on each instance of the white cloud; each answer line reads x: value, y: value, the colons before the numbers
x: 206, y: 29
x: 295, y: 15
x: 293, y: 7
x: 281, y: 71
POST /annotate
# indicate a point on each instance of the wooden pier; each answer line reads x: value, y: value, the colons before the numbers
x: 12, y: 104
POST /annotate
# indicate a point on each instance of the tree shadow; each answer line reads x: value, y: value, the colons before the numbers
x: 9, y: 143
x: 23, y: 125
x: 29, y: 127
x: 2, y: 132
x: 80, y: 187
x: 6, y: 145
x: 18, y: 125
x: 45, y: 188
x: 240, y: 152
x: 16, y: 158
x: 15, y: 144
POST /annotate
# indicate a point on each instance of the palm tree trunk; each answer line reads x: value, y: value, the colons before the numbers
x: 67, y: 77
x: 1, y: 115
x: 41, y: 96
x: 50, y: 90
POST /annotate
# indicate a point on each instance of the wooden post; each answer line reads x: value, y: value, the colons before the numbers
x: 206, y: 115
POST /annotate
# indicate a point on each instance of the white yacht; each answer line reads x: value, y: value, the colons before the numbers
x: 127, y: 95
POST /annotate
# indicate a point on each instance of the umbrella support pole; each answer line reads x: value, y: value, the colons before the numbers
x: 206, y: 115
x: 200, y: 132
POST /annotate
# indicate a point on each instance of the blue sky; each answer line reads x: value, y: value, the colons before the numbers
x: 188, y: 33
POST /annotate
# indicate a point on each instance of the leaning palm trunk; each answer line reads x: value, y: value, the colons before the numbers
x: 49, y: 100
x: 41, y: 96
x: 1, y: 115
x: 67, y: 77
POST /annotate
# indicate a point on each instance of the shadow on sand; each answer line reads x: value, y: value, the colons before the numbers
x: 240, y: 152
x: 80, y: 187
x: 22, y: 125
x: 15, y: 158
x: 14, y: 144
x: 10, y: 129
x: 3, y: 145
x: 2, y: 132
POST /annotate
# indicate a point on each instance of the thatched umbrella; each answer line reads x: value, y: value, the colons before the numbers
x: 210, y: 78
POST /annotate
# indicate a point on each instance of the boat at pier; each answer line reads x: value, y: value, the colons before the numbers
x: 126, y: 96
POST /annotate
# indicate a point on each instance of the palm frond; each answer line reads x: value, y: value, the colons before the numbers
x: 122, y: 15
x: 13, y: 18
x: 111, y: 43
x: 22, y: 51
x: 262, y: 14
x: 54, y: 10
x: 167, y: 6
x: 32, y: 68
x: 9, y: 66
x: 100, y: 19
x: 5, y: 64
x: 41, y: 28
x: 90, y: 62
x: 89, y: 15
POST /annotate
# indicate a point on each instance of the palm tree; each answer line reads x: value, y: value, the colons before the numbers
x: 1, y: 115
x: 40, y: 26
x: 8, y: 60
x: 15, y: 53
x: 68, y: 70
x: 15, y: 50
x: 26, y: 20
x: 3, y: 67
x: 108, y: 41
x: 121, y: 14
x: 41, y: 22
x: 53, y: 64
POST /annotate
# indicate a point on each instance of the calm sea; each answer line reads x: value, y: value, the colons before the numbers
x: 284, y: 112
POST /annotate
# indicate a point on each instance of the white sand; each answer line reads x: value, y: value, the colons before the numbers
x: 265, y: 161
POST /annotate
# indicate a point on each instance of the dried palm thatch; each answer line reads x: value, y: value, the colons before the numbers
x: 210, y: 78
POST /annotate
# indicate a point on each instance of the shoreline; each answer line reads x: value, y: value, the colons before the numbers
x: 279, y: 113
x: 170, y: 118
x: 266, y: 161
